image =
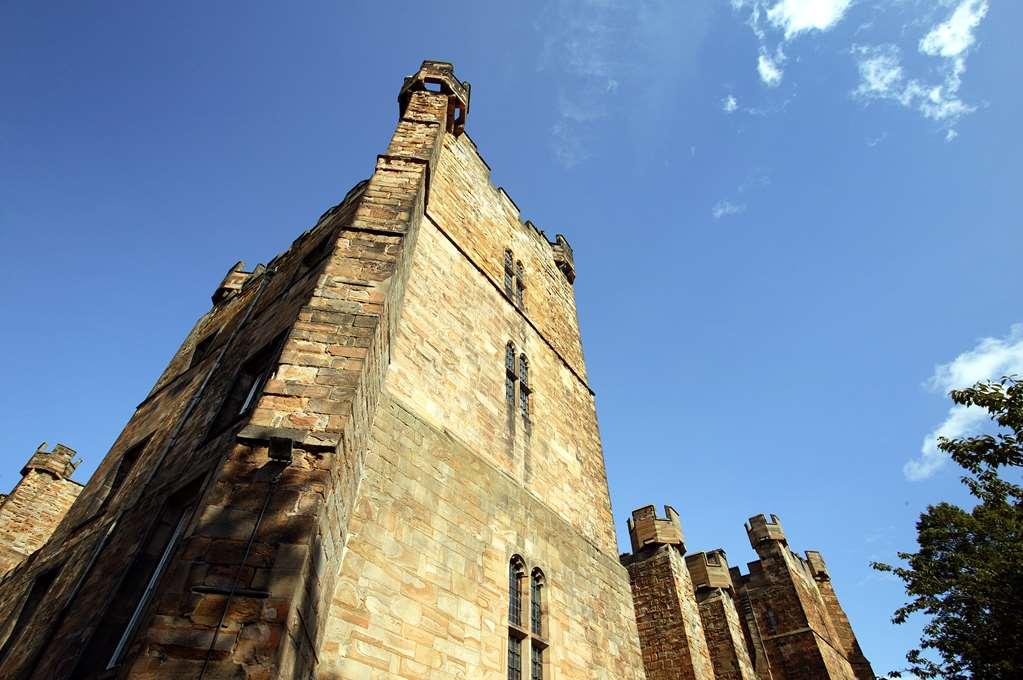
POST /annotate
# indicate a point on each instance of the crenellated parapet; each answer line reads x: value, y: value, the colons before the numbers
x: 761, y: 529
x: 233, y: 281
x: 646, y: 528
x: 59, y: 462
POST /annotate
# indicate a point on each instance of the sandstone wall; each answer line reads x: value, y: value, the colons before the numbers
x: 725, y: 639
x: 31, y: 513
x: 449, y: 355
x: 668, y: 619
x: 424, y: 586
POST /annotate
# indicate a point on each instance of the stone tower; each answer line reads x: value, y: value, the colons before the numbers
x: 715, y: 595
x: 33, y: 509
x: 671, y: 632
x: 798, y: 628
x: 375, y: 456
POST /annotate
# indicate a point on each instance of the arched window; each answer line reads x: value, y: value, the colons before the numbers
x: 518, y: 632
x: 524, y: 388
x: 509, y: 374
x: 516, y: 573
x: 509, y: 274
x: 520, y: 286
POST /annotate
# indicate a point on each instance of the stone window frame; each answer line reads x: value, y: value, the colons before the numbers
x: 126, y: 464
x: 510, y: 374
x: 525, y: 389
x: 102, y: 655
x: 519, y: 297
x: 526, y: 628
x: 509, y: 273
x: 518, y: 389
x: 261, y: 366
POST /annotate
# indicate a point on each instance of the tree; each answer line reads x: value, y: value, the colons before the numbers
x: 967, y: 575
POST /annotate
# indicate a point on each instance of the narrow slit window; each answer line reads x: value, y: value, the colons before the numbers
x: 509, y: 374
x: 536, y: 602
x: 318, y: 252
x: 516, y: 570
x: 520, y: 286
x: 771, y: 620
x: 202, y: 349
x: 537, y: 663
x: 248, y: 385
x: 524, y: 388
x: 124, y: 468
x: 126, y: 608
x: 514, y: 657
x: 509, y: 274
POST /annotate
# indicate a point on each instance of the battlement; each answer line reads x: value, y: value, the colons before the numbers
x: 759, y: 529
x: 818, y: 568
x: 563, y: 257
x: 709, y: 569
x: 60, y: 462
x: 439, y: 76
x: 646, y: 528
x: 233, y: 282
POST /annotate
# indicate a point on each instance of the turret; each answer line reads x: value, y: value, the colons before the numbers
x: 760, y: 529
x: 60, y: 462
x: 646, y: 528
x: 709, y: 570
x: 37, y: 504
x: 233, y: 281
x: 563, y: 257
x: 439, y: 76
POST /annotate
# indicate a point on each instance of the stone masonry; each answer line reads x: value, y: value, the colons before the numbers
x: 33, y: 509
x: 698, y: 618
x: 377, y: 457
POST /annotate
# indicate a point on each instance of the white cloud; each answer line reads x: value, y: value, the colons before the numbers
x: 769, y: 69
x: 725, y: 208
x: 990, y: 359
x: 780, y: 21
x: 955, y: 35
x: 729, y: 104
x: 882, y: 76
x: 797, y: 16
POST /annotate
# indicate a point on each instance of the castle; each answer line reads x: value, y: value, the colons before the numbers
x: 377, y: 456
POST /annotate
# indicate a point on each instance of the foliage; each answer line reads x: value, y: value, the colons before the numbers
x: 967, y: 575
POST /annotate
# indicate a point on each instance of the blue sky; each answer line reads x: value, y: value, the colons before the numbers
x: 796, y: 223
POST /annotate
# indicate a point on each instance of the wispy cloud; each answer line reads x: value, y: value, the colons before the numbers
x: 729, y: 104
x: 769, y: 68
x: 989, y: 359
x: 883, y: 78
x: 598, y: 50
x: 726, y: 208
x: 874, y: 141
